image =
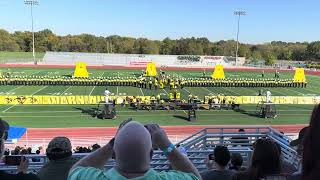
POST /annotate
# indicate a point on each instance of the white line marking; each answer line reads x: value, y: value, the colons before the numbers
x: 141, y: 92
x: 186, y: 90
x: 294, y: 91
x: 230, y: 91
x: 101, y: 75
x: 66, y: 90
x: 92, y: 90
x: 9, y: 108
x: 14, y: 89
x: 165, y: 91
x: 185, y: 112
x: 39, y: 90
x: 207, y: 90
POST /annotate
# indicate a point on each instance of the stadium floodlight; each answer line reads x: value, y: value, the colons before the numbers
x: 239, y: 14
x: 32, y: 3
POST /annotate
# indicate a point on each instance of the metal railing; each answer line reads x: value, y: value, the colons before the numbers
x: 200, y: 145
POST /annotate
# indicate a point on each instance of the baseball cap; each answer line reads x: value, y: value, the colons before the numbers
x: 59, y: 144
x: 4, y: 128
x: 301, y: 136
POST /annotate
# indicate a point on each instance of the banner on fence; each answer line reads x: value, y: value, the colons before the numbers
x: 14, y: 100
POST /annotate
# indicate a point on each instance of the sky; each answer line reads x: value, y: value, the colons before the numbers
x: 266, y: 20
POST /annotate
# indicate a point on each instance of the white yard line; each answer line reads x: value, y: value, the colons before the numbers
x: 92, y: 90
x: 294, y: 91
x: 141, y: 92
x: 101, y: 75
x: 186, y: 90
x: 165, y: 91
x: 185, y: 112
x: 65, y: 90
x: 207, y: 89
x: 9, y: 108
x: 39, y: 90
x: 14, y: 89
x: 230, y: 91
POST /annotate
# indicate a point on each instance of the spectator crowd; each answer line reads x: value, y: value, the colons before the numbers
x: 132, y: 149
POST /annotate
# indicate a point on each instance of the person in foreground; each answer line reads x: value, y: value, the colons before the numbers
x: 22, y: 168
x: 311, y: 148
x: 132, y: 147
x: 265, y: 162
x: 221, y: 157
x: 59, y: 153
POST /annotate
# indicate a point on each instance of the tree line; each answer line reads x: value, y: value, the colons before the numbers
x: 46, y: 40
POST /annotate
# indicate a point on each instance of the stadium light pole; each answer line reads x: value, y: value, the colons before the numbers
x: 32, y: 3
x: 239, y: 14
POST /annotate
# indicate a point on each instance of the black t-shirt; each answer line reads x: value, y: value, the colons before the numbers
x: 217, y: 175
x: 19, y: 176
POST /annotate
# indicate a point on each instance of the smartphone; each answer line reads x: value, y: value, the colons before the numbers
x: 211, y: 157
x: 12, y: 160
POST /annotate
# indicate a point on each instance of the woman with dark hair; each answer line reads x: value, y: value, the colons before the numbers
x: 265, y: 161
x: 311, y: 148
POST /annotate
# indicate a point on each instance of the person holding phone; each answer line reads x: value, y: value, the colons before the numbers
x: 217, y: 164
x: 22, y: 166
x: 133, y: 147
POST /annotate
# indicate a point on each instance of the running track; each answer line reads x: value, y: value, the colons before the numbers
x: 89, y: 136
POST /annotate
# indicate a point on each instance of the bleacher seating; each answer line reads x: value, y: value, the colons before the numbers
x: 202, y: 143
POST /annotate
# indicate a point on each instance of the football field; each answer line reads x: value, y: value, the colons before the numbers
x: 78, y: 116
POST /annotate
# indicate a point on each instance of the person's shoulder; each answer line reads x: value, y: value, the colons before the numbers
x: 241, y: 175
x: 215, y: 174
x: 18, y: 176
x: 79, y: 173
x: 177, y: 175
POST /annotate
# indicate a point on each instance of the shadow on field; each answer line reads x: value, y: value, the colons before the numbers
x: 249, y: 113
x: 181, y: 117
x: 91, y: 111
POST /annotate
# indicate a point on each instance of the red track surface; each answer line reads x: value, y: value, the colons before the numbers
x: 48, y: 133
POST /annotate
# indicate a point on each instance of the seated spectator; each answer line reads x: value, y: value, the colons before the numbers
x: 298, y: 143
x: 265, y: 161
x: 36, y: 159
x: 221, y: 157
x: 60, y: 158
x: 24, y: 152
x: 286, y: 167
x: 95, y: 147
x: 22, y: 168
x: 236, y: 162
x: 240, y: 140
x: 311, y: 148
x: 132, y: 146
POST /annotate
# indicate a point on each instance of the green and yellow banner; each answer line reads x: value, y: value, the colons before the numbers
x: 73, y: 100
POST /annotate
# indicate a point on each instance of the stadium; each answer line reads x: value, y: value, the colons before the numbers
x: 183, y: 114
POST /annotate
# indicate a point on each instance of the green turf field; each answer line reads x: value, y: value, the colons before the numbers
x: 72, y: 116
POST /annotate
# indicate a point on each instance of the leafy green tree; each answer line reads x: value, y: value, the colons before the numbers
x: 7, y: 42
x: 269, y: 58
x: 313, y: 51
